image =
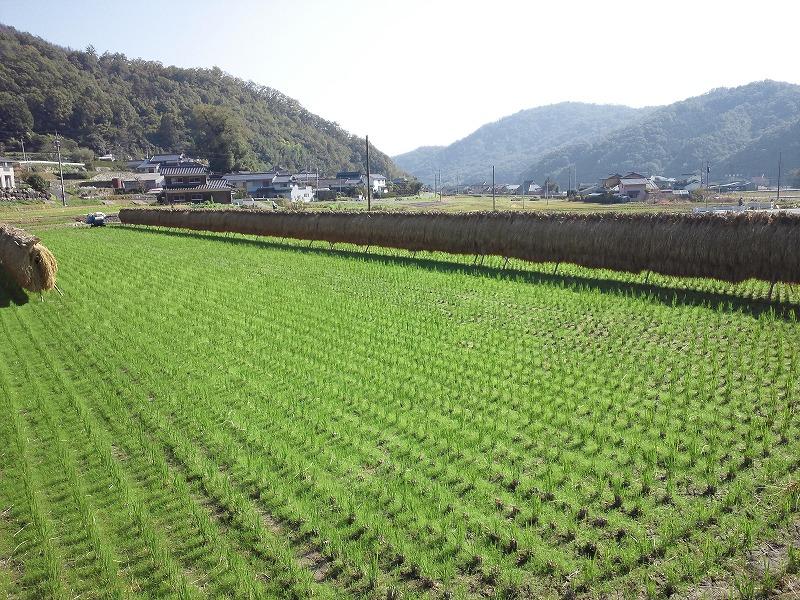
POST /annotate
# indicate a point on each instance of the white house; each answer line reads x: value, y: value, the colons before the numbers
x: 302, y: 193
x: 7, y: 173
x: 378, y: 182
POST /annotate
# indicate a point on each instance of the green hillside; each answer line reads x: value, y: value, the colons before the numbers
x: 511, y: 143
x: 132, y: 107
x: 737, y: 130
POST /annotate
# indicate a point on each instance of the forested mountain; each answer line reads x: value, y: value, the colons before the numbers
x: 739, y: 131
x: 132, y: 107
x: 514, y: 142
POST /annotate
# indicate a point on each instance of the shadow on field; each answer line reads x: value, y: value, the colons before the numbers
x: 10, y: 292
x: 661, y: 293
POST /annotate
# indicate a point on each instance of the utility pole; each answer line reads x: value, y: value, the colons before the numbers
x: 547, y: 192
x: 369, y: 183
x: 780, y: 160
x: 57, y: 144
x: 24, y: 157
x: 494, y: 205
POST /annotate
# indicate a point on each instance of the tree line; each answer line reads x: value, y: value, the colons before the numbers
x: 131, y: 107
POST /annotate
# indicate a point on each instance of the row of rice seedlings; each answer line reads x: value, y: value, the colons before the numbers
x: 104, y: 555
x: 571, y: 275
x: 43, y: 565
x: 137, y: 441
x: 153, y: 540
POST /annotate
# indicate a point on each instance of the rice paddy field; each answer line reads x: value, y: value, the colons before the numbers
x: 202, y: 415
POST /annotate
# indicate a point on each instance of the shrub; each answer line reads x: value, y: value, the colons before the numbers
x: 37, y: 182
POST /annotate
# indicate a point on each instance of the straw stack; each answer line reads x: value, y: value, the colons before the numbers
x: 730, y: 247
x: 29, y: 263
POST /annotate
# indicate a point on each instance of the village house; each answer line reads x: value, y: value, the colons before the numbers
x: 378, y: 183
x: 7, y: 174
x: 636, y: 186
x: 143, y: 182
x: 531, y: 188
x: 611, y: 182
x: 251, y: 182
x: 353, y: 179
x: 192, y: 184
x: 271, y: 184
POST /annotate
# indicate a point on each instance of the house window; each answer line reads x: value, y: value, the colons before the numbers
x: 633, y: 193
x: 197, y: 197
x: 195, y: 180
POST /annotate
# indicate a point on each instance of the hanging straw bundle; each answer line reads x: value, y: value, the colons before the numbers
x: 30, y: 264
x: 730, y: 247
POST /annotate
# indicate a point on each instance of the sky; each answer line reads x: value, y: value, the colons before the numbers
x: 428, y: 72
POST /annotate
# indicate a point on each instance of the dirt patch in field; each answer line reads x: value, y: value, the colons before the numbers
x: 119, y: 453
x: 769, y: 562
x: 312, y: 559
x: 315, y: 562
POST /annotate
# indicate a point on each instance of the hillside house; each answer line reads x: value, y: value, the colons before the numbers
x: 155, y: 163
x: 192, y: 184
x: 7, y: 174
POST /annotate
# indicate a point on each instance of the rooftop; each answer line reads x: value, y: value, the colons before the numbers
x: 213, y: 185
x: 165, y: 157
x: 183, y: 171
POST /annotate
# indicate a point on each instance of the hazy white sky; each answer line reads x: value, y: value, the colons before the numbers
x: 422, y: 72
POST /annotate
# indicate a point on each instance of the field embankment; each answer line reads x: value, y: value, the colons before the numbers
x: 30, y: 264
x: 726, y: 247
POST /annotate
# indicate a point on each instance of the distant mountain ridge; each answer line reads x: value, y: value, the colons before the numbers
x: 132, y: 107
x: 738, y: 131
x: 514, y: 142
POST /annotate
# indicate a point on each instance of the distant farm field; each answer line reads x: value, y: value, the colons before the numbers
x: 210, y: 416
